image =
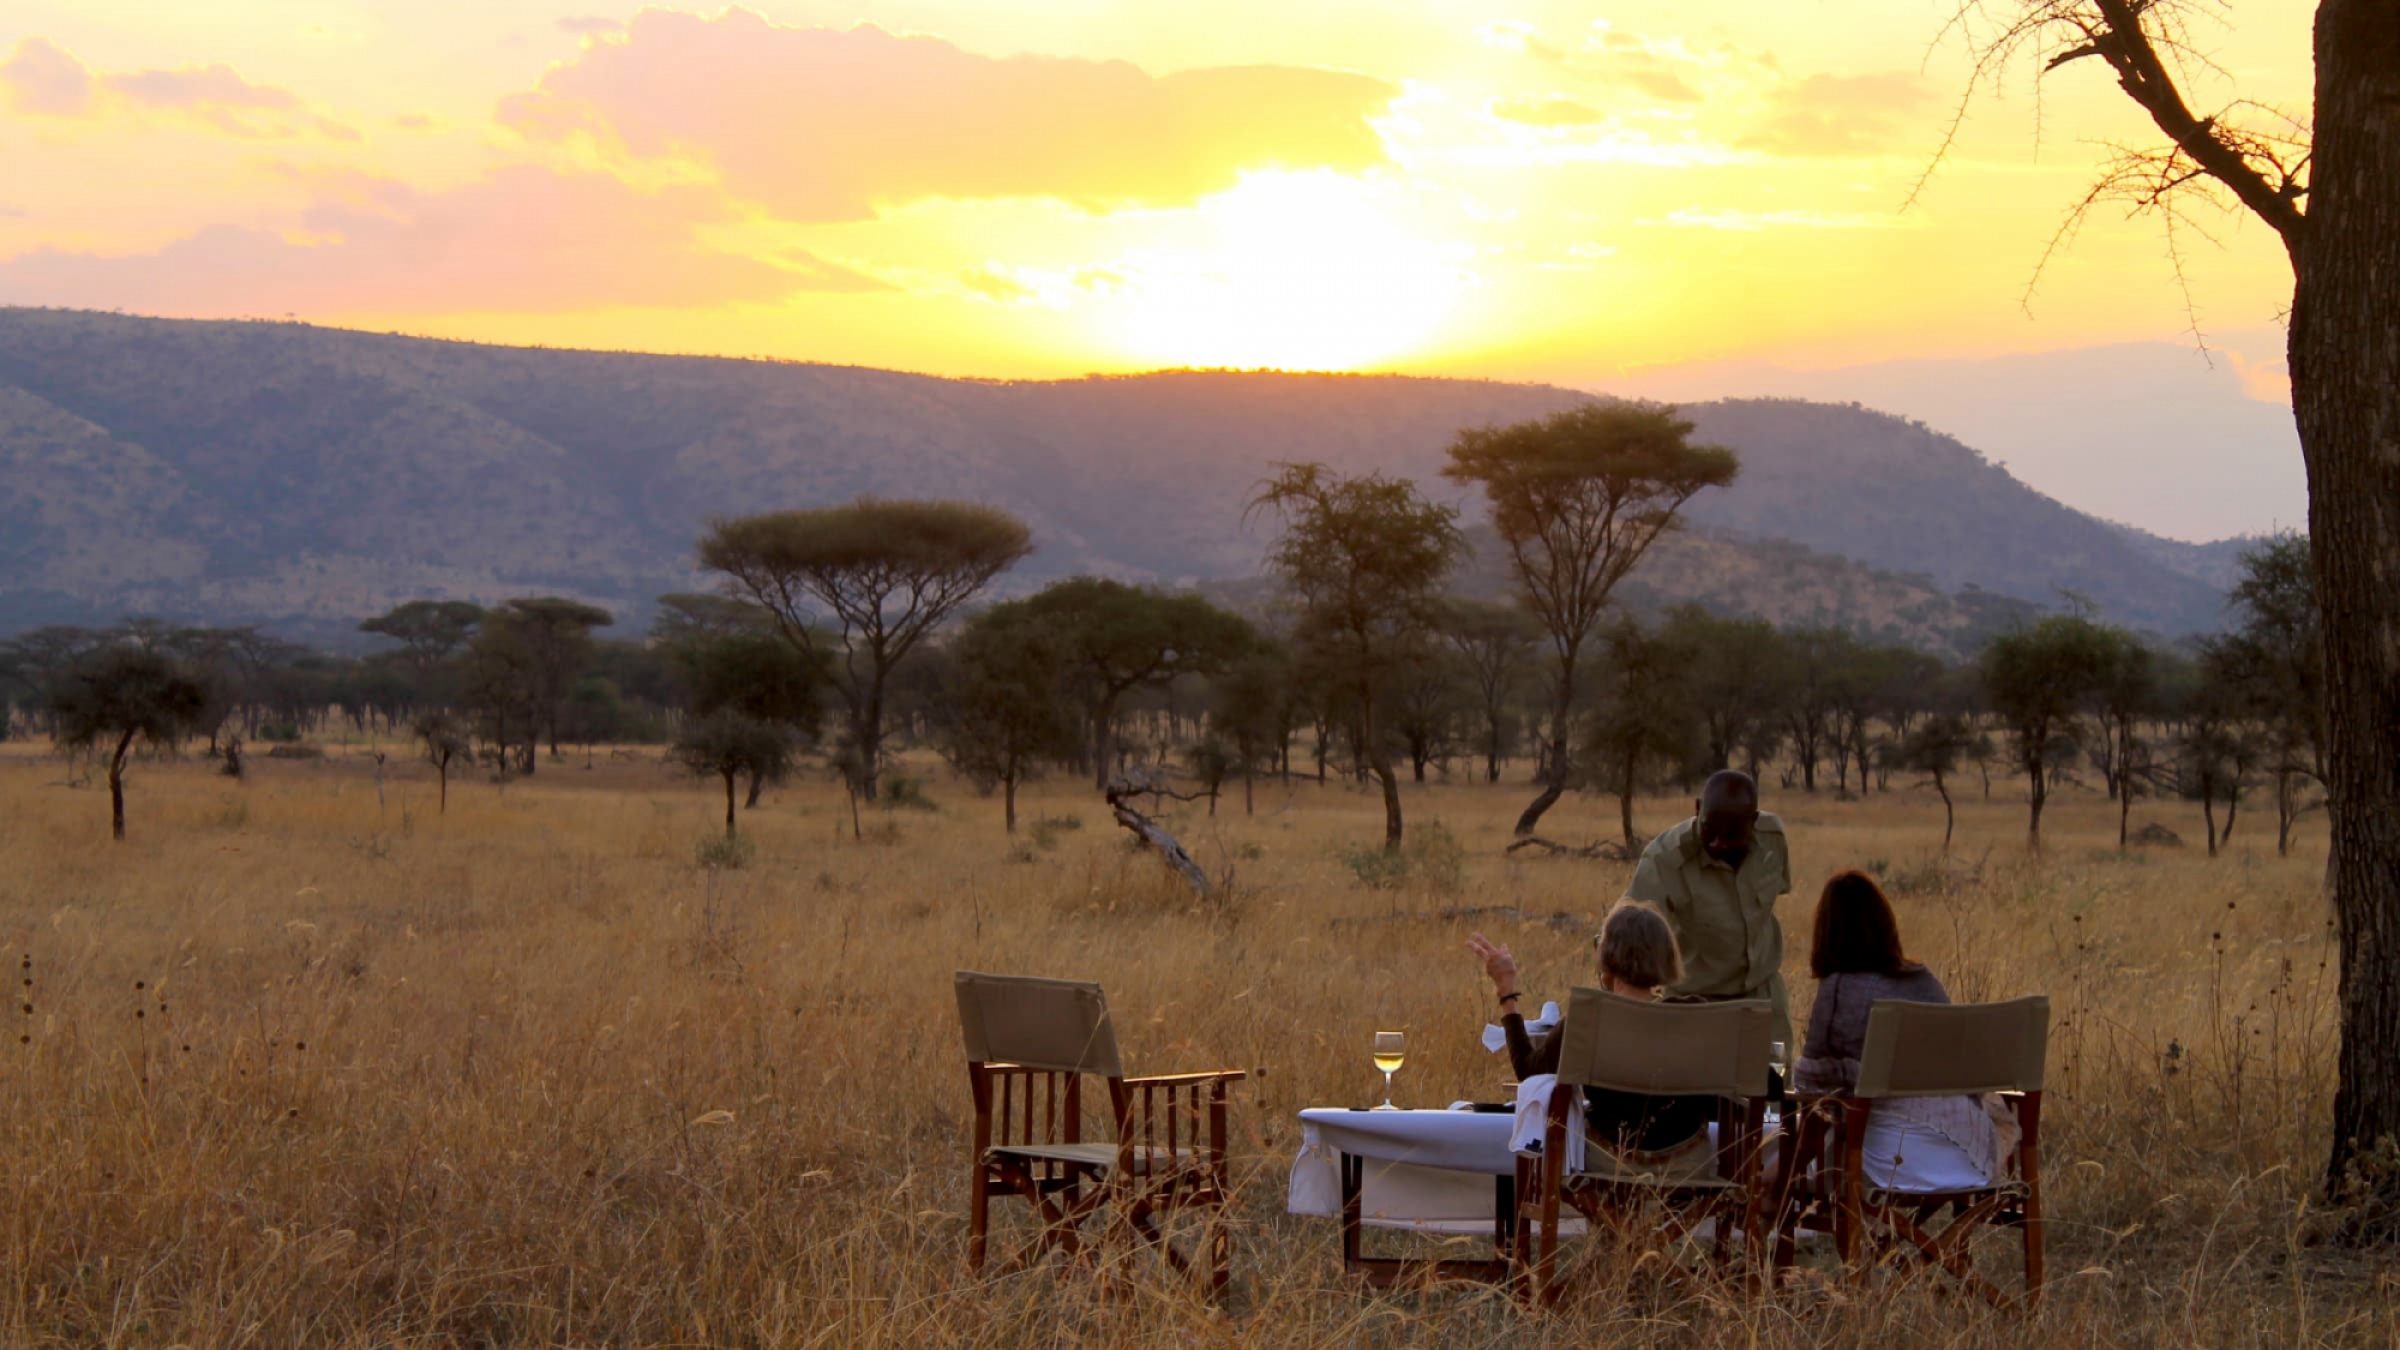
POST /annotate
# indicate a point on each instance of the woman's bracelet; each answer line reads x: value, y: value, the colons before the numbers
x: 1509, y: 998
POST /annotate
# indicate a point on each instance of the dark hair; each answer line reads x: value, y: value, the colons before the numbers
x: 1855, y: 930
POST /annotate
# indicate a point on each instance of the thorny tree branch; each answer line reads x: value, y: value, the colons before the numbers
x: 2245, y: 155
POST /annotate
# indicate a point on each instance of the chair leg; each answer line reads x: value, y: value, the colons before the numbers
x: 1545, y: 1290
x: 979, y: 1217
x: 2031, y: 1165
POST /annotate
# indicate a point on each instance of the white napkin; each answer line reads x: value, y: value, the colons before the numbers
x: 1316, y: 1185
x: 1533, y: 1119
x: 1495, y: 1037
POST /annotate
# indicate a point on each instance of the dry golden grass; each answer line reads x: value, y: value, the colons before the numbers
x: 303, y: 1067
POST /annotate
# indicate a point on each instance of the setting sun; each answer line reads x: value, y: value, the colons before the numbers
x: 1314, y: 271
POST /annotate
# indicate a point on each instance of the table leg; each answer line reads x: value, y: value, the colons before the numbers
x: 1504, y: 1214
x: 1353, y: 1181
x: 1386, y: 1271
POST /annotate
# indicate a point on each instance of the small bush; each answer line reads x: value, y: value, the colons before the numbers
x: 730, y: 852
x: 903, y: 793
x: 279, y: 733
x: 1045, y: 830
x: 1429, y: 855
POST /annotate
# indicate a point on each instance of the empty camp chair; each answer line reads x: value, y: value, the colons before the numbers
x: 1030, y: 1045
x: 1939, y: 1050
x: 1661, y: 1049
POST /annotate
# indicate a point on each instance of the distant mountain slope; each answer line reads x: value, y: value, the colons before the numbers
x: 299, y: 475
x: 1898, y: 495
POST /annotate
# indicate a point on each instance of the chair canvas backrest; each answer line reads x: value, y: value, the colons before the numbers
x: 1941, y: 1049
x: 1681, y: 1049
x: 1041, y: 1024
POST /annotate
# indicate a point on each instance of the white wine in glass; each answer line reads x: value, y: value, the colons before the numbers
x: 1391, y: 1047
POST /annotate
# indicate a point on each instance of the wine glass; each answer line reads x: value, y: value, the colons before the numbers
x: 1779, y: 1076
x: 1391, y: 1047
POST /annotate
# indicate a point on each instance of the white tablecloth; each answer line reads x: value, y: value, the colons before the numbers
x: 1429, y: 1171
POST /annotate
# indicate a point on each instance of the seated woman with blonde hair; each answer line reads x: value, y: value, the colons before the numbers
x: 1638, y: 959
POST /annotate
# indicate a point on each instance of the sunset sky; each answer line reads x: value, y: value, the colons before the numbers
x: 1593, y: 195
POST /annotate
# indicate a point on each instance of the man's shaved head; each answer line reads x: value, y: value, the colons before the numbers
x: 1729, y: 788
x: 1728, y: 812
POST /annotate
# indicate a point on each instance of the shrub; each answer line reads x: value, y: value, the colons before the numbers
x: 903, y: 793
x: 730, y: 852
x: 1045, y: 830
x: 1429, y: 854
x: 279, y: 733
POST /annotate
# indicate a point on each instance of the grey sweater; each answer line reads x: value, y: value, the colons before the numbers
x: 1837, y: 1023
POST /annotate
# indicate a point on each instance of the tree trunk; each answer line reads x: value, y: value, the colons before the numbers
x: 2037, y: 793
x: 2208, y: 814
x: 729, y: 777
x: 1554, y: 754
x: 1249, y: 806
x: 2283, y: 812
x: 867, y: 734
x: 2124, y: 815
x: 116, y: 787
x: 1949, y: 815
x: 1381, y: 764
x: 441, y: 772
x: 1625, y: 800
x: 1008, y: 798
x: 1103, y: 741
x: 2345, y: 363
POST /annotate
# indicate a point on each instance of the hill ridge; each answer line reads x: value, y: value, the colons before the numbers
x: 299, y: 475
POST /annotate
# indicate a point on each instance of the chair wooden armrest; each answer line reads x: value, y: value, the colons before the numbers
x: 1171, y: 1080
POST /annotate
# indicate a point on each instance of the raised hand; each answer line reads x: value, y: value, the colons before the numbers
x: 1498, y: 962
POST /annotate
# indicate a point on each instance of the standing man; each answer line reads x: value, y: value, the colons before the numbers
x: 1716, y: 877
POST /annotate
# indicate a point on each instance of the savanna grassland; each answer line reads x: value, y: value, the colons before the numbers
x: 306, y: 1063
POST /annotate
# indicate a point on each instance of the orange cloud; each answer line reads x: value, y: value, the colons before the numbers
x: 819, y: 124
x: 43, y: 80
x: 1842, y: 116
x: 522, y: 240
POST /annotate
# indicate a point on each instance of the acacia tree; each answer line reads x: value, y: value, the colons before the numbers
x: 444, y: 741
x: 1578, y: 497
x: 1255, y: 707
x: 1496, y: 644
x: 1112, y: 639
x: 1812, y: 667
x: 879, y: 574
x: 1643, y: 716
x: 554, y: 636
x: 2035, y: 678
x: 1002, y: 715
x: 1934, y: 748
x: 1365, y: 558
x: 2329, y: 186
x: 120, y: 695
x: 1731, y: 679
x: 728, y: 745
x: 2124, y: 692
x: 429, y: 631
x: 2277, y: 656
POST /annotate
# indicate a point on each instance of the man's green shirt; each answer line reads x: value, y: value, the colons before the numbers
x: 1723, y: 919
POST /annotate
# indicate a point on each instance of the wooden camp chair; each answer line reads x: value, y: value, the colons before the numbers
x: 1030, y: 1045
x: 1664, y: 1049
x: 1928, y: 1050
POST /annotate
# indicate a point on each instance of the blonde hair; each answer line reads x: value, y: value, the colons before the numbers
x: 1638, y: 948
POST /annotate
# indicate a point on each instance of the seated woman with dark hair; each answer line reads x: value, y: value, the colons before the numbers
x: 1913, y: 1143
x: 1638, y: 959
